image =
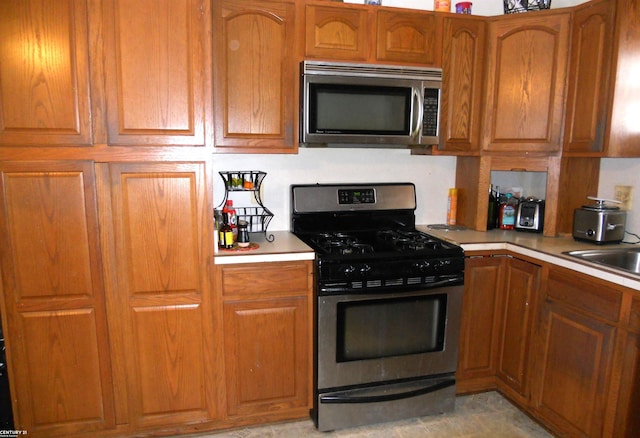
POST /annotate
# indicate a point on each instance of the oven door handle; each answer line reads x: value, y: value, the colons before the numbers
x: 348, y: 397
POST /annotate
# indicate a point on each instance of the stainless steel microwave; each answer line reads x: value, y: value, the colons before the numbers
x: 364, y: 104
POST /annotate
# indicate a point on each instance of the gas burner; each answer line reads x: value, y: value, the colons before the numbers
x: 408, y: 240
x: 342, y: 244
x: 362, y: 248
x: 416, y: 245
x: 387, y: 235
x: 335, y: 239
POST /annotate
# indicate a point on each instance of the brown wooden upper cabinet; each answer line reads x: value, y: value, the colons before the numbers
x: 337, y: 33
x: 623, y: 139
x: 372, y: 34
x: 255, y: 76
x: 462, y: 74
x: 155, y: 72
x: 587, y: 94
x: 44, y: 73
x: 526, y: 74
x: 408, y: 37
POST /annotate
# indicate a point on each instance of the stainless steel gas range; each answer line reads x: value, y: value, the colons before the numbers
x: 389, y: 299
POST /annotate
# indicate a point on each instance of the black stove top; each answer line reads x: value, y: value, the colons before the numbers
x: 378, y: 244
x: 365, y: 239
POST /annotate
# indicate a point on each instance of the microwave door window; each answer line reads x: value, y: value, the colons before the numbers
x: 360, y: 109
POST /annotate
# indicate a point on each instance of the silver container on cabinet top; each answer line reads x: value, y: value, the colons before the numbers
x: 599, y: 223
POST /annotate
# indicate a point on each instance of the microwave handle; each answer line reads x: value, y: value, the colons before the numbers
x: 419, y: 99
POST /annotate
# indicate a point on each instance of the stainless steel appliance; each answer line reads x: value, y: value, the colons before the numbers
x: 599, y: 223
x: 530, y: 215
x: 388, y: 305
x: 373, y: 105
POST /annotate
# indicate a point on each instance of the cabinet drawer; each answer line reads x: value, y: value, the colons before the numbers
x: 585, y: 293
x: 265, y: 278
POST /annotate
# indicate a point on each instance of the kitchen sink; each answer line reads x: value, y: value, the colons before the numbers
x: 626, y: 259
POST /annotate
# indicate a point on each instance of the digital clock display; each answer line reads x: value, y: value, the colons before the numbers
x: 356, y: 196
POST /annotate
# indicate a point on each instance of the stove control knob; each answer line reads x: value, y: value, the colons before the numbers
x: 442, y: 264
x: 422, y: 266
x: 365, y: 269
x: 348, y: 271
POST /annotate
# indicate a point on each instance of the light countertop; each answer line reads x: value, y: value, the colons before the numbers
x: 287, y: 247
x: 284, y: 248
x: 547, y: 249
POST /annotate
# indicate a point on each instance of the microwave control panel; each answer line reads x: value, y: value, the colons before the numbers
x: 430, y: 117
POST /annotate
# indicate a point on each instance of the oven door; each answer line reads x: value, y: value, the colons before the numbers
x: 372, y: 338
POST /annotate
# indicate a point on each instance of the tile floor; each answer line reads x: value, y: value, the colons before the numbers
x: 486, y: 415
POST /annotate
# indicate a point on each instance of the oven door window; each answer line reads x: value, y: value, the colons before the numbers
x: 390, y: 327
x: 354, y: 109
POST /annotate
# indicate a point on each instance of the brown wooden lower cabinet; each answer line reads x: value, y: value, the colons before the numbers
x: 111, y: 322
x: 156, y: 221
x: 480, y: 327
x: 568, y: 345
x: 577, y: 336
x: 498, y: 308
x: 521, y: 283
x: 53, y: 307
x: 575, y: 370
x: 107, y: 303
x: 627, y: 420
x: 267, y: 332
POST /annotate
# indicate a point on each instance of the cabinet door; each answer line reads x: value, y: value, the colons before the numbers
x: 587, y: 96
x: 255, y: 77
x: 623, y: 138
x: 520, y: 291
x: 44, y: 73
x: 527, y: 66
x: 54, y: 301
x: 408, y: 37
x: 155, y: 71
x: 462, y: 74
x: 160, y: 292
x: 572, y: 378
x: 479, y: 330
x: 266, y: 355
x: 627, y: 421
x: 337, y: 32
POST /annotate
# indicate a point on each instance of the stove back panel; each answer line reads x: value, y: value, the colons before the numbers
x: 353, y: 197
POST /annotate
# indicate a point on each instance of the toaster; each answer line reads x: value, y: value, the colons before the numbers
x: 599, y: 223
x: 530, y: 215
